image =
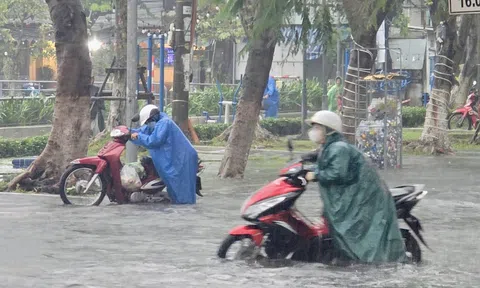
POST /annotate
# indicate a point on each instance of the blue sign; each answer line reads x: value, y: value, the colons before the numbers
x: 169, y: 57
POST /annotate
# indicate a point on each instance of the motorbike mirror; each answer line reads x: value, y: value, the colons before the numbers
x: 136, y: 118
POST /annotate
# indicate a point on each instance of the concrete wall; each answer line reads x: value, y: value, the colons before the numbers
x: 24, y: 131
x: 281, y: 65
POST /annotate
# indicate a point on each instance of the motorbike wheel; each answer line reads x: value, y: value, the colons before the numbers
x: 99, y: 186
x: 232, y: 239
x: 475, y: 135
x: 455, y: 117
x: 414, y: 253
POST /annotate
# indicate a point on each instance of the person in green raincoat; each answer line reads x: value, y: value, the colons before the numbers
x: 358, y: 207
x: 334, y: 95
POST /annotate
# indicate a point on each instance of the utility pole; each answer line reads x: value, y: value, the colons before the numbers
x: 339, y: 48
x: 304, y: 127
x: 324, y: 76
x: 181, y: 66
x: 304, y: 94
x: 478, y: 51
x: 131, y: 101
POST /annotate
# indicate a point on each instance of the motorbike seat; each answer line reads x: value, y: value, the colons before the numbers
x: 402, y: 191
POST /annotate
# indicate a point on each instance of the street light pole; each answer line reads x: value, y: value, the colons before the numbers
x: 131, y: 101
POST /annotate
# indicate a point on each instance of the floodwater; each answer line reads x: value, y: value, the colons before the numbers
x: 46, y: 244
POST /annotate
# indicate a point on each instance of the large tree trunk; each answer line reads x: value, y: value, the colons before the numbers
x: 259, y: 62
x: 434, y: 137
x: 468, y: 39
x: 117, y: 108
x: 362, y: 59
x: 71, y: 126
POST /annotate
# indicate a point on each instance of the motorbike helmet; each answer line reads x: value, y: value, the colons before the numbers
x: 328, y: 119
x: 147, y: 112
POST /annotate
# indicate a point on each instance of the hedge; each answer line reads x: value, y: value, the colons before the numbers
x: 19, y: 148
x: 412, y: 117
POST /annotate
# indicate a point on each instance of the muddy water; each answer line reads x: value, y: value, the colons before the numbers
x: 45, y: 244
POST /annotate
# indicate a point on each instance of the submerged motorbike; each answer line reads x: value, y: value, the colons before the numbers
x: 89, y: 179
x: 280, y: 231
x: 466, y: 116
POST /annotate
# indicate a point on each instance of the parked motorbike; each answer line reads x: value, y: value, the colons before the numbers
x: 280, y: 231
x: 89, y: 179
x: 468, y: 114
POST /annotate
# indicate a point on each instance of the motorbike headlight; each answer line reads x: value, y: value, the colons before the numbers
x: 256, y: 209
x: 116, y: 133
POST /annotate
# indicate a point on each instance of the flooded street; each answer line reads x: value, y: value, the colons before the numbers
x: 46, y: 244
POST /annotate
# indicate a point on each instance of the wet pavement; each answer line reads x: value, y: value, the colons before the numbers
x: 46, y: 244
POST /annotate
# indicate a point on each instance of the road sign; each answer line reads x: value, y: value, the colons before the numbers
x: 459, y: 7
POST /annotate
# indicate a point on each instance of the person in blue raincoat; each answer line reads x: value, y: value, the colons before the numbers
x: 271, y: 99
x: 175, y: 159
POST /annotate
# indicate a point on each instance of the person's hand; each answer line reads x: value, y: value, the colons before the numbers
x: 310, y: 176
x: 265, y: 96
x: 134, y: 136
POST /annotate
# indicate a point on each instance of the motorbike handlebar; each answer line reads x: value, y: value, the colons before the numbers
x: 309, y: 157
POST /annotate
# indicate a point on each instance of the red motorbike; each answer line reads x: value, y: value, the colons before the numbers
x: 280, y: 231
x: 466, y: 116
x: 89, y: 179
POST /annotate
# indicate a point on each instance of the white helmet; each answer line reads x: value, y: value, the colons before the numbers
x: 146, y: 113
x: 328, y: 119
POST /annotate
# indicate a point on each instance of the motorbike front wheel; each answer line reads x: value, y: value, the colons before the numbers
x: 246, y: 250
x: 455, y: 121
x: 475, y: 135
x: 73, y: 184
x: 412, y: 248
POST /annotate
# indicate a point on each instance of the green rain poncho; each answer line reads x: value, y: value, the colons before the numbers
x: 360, y: 211
x: 332, y: 97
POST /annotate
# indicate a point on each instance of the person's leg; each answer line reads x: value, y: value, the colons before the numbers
x: 267, y: 105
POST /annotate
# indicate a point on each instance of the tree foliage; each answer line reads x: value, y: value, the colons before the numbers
x: 95, y: 9
x: 315, y: 20
x: 18, y: 21
x: 213, y: 25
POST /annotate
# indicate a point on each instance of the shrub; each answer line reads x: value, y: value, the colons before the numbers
x: 413, y: 116
x: 290, y: 97
x: 209, y: 131
x: 18, y: 148
x: 282, y: 126
x: 208, y: 98
x: 29, y: 111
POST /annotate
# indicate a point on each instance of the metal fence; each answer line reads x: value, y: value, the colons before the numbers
x: 33, y: 105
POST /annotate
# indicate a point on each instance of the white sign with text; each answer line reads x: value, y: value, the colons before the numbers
x: 459, y: 7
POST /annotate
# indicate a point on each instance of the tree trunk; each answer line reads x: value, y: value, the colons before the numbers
x: 362, y: 59
x: 469, y: 70
x: 71, y: 126
x: 434, y: 137
x: 260, y: 57
x: 116, y: 115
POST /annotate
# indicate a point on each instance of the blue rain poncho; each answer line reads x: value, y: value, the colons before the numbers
x: 272, y: 102
x: 175, y: 159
